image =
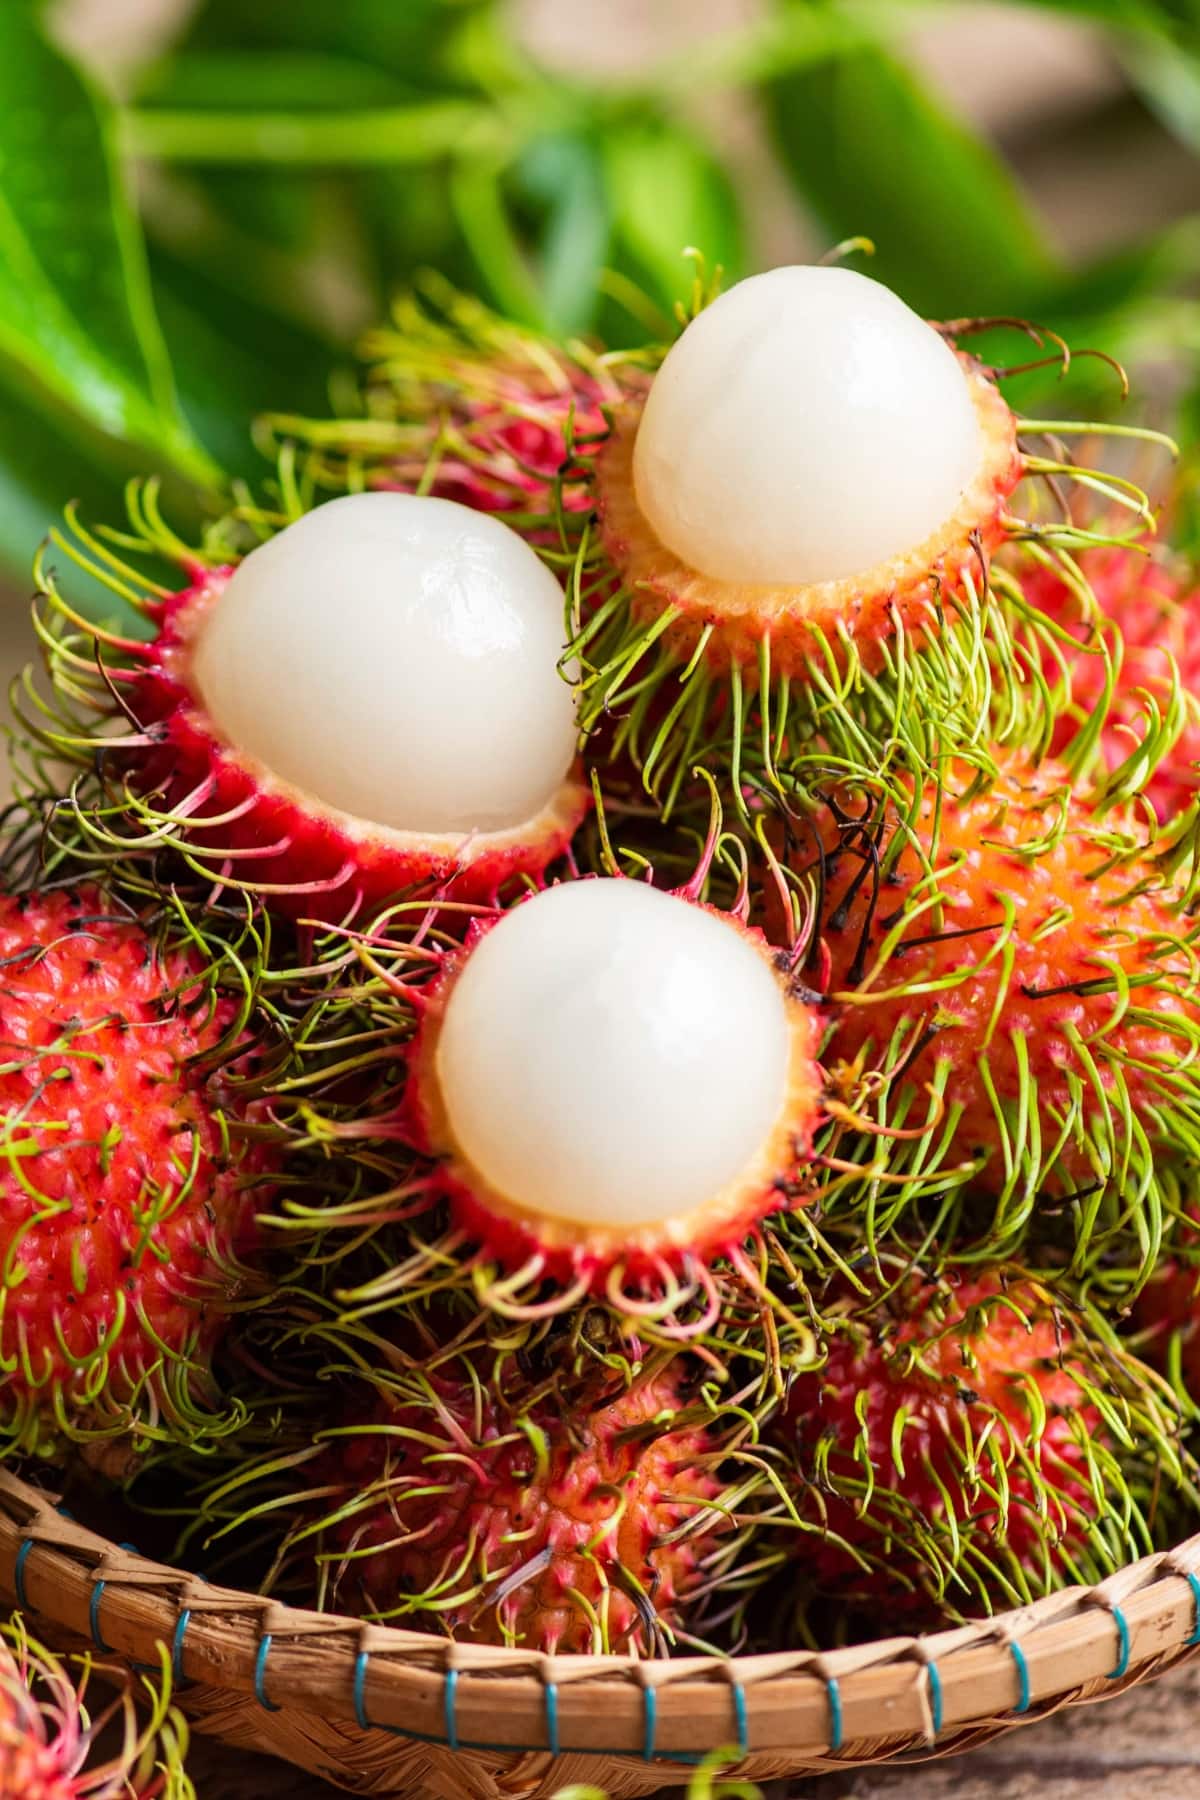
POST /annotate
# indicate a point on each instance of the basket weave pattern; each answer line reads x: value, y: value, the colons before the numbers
x: 384, y: 1711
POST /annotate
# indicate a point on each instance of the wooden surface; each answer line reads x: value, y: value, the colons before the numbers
x: 1143, y: 1746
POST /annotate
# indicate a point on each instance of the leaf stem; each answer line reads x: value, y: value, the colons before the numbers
x: 371, y: 135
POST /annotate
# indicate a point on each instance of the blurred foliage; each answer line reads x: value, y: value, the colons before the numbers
x: 295, y: 161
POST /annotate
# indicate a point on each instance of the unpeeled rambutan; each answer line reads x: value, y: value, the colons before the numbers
x: 1157, y: 620
x: 557, y: 1529
x: 1011, y: 967
x: 973, y: 1441
x: 369, y: 703
x: 48, y: 1738
x: 129, y: 1185
x: 466, y: 405
x: 618, y: 1083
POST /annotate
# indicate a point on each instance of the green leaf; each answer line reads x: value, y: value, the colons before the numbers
x: 561, y: 179
x: 75, y: 303
x: 234, y: 361
x: 668, y: 193
x: 407, y: 37
x: 873, y: 152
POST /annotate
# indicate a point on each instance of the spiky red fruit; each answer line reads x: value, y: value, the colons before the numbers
x: 127, y: 1196
x: 1159, y: 623
x: 1018, y: 955
x: 576, y: 1531
x: 948, y: 1441
x: 618, y: 1082
x: 47, y: 1738
x: 507, y: 442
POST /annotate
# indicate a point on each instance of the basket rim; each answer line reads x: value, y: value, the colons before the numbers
x: 804, y: 1704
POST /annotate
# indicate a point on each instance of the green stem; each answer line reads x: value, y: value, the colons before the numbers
x: 371, y: 135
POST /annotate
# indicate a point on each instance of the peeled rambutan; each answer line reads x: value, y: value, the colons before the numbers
x: 973, y: 1442
x: 369, y: 703
x: 1010, y: 963
x: 557, y: 1529
x: 51, y: 1745
x: 130, y: 1185
x: 1158, y: 621
x: 618, y: 1082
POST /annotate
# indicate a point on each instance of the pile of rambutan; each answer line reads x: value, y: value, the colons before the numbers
x: 600, y: 996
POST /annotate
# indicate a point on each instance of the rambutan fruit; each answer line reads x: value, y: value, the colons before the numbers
x: 1009, y: 966
x: 369, y: 703
x: 51, y: 1744
x: 131, y: 1175
x: 557, y: 1528
x: 617, y: 1081
x: 1157, y: 620
x: 467, y: 405
x: 974, y: 1441
x: 796, y: 522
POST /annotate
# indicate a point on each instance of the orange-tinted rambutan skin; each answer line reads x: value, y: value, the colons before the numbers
x: 521, y: 1522
x: 306, y: 860
x: 124, y: 1207
x: 1072, y: 920
x: 950, y: 1386
x: 1159, y: 621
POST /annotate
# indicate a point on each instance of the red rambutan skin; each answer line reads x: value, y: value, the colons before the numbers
x: 1072, y: 919
x: 46, y: 1737
x: 500, y: 1527
x: 575, y: 1254
x: 124, y: 1206
x: 1159, y: 621
x: 1168, y: 1310
x: 307, y: 860
x: 510, y: 451
x: 930, y: 1394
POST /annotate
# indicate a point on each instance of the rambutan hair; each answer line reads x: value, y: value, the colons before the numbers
x: 54, y: 1747
x: 1015, y: 1006
x: 132, y: 1177
x: 975, y: 1441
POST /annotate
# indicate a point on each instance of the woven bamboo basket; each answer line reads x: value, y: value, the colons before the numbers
x: 380, y: 1711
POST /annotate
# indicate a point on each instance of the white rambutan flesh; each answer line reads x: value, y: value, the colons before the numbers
x: 396, y: 658
x: 806, y: 427
x: 612, y: 1056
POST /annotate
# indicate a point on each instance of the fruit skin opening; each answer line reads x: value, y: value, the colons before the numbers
x: 807, y: 623
x: 806, y: 426
x: 518, y: 1237
x: 307, y: 859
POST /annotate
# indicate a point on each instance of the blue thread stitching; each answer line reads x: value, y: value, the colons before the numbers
x: 835, y: 1712
x: 1193, y: 1582
x: 1018, y: 1656
x: 94, y: 1619
x: 551, y: 1699
x: 935, y: 1696
x: 743, y: 1723
x: 19, y: 1573
x: 360, y: 1682
x: 260, y: 1672
x: 1123, y: 1633
x: 650, y: 1713
x: 450, y: 1701
x: 185, y: 1619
